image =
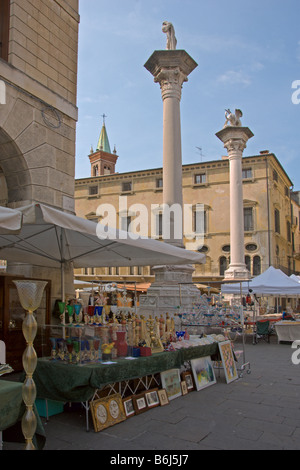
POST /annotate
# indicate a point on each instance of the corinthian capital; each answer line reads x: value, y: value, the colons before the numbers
x: 171, y: 81
x: 235, y: 147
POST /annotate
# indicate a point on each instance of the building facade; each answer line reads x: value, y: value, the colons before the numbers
x: 38, y: 112
x: 271, y: 214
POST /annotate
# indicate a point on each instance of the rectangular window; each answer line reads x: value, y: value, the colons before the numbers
x: 200, y: 178
x: 277, y: 220
x: 125, y: 223
x: 248, y: 219
x: 199, y: 222
x: 275, y: 175
x: 246, y: 173
x: 288, y: 231
x: 93, y: 190
x: 159, y: 225
x: 159, y: 183
x: 4, y: 28
x: 126, y: 186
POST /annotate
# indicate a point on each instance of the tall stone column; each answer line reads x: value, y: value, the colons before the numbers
x: 170, y: 69
x: 235, y: 139
x: 173, y: 284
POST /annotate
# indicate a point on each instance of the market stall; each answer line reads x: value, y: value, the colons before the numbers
x: 288, y: 331
x: 271, y: 282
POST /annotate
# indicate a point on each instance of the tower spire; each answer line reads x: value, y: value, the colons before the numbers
x: 103, y: 142
x: 103, y: 161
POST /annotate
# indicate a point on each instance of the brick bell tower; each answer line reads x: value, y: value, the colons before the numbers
x: 103, y: 161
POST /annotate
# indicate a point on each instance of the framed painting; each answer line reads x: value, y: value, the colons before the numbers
x: 139, y: 403
x: 184, y: 389
x: 163, y: 397
x: 170, y: 381
x: 152, y: 398
x: 128, y: 406
x: 107, y: 411
x: 203, y: 372
x: 188, y: 378
x: 228, y: 361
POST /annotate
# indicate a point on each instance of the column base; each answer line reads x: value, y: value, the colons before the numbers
x: 172, y: 290
x: 237, y: 272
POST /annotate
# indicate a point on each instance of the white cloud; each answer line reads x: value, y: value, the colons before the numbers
x: 234, y: 77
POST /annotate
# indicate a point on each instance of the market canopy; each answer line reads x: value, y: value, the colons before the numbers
x: 50, y: 237
x: 270, y: 282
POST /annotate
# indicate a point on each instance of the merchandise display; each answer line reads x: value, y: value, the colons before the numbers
x: 212, y: 310
x: 129, y: 336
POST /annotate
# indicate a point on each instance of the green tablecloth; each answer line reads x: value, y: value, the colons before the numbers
x: 74, y: 383
x: 11, y: 403
x: 12, y: 408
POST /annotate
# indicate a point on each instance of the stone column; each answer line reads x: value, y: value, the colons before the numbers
x: 173, y: 285
x: 170, y: 69
x: 235, y: 140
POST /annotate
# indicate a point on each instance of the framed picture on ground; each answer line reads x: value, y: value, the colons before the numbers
x: 139, y: 403
x: 163, y: 397
x: 170, y: 381
x: 188, y: 377
x: 228, y: 361
x: 107, y: 411
x: 203, y: 372
x: 152, y: 398
x: 184, y: 389
x: 128, y: 406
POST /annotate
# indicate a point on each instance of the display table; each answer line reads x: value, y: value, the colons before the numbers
x: 288, y: 330
x: 77, y: 383
x: 12, y: 409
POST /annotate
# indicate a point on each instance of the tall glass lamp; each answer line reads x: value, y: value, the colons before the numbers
x: 30, y: 295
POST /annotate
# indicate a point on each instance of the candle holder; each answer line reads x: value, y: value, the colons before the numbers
x: 70, y: 310
x: 30, y: 295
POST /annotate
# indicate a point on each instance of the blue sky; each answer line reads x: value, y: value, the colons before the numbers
x: 248, y: 56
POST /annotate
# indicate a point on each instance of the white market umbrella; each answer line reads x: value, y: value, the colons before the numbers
x: 50, y: 237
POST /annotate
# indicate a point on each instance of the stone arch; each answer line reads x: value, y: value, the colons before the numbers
x: 14, y: 173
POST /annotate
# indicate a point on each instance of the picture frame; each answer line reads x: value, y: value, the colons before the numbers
x: 140, y: 403
x: 203, y: 372
x: 187, y: 376
x: 152, y: 398
x: 170, y: 380
x: 184, y: 389
x: 228, y: 361
x: 107, y: 411
x: 129, y: 406
x: 163, y: 397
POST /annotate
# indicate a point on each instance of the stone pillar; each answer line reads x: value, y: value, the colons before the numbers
x: 170, y: 69
x: 173, y: 286
x: 235, y: 140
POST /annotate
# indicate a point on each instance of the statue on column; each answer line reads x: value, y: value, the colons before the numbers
x: 233, y: 120
x: 168, y: 28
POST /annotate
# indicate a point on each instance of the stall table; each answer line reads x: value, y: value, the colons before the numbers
x: 288, y: 330
x: 12, y: 409
x: 78, y: 383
